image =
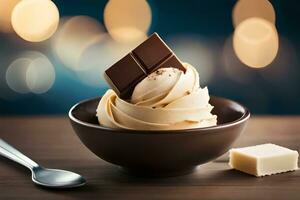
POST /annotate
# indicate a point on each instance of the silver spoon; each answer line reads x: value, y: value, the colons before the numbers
x: 53, y: 178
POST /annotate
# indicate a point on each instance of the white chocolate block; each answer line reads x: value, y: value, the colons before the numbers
x: 264, y: 159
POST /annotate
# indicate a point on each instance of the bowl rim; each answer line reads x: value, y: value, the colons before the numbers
x: 243, y: 118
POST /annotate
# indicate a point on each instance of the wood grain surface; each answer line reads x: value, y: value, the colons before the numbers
x: 51, y: 142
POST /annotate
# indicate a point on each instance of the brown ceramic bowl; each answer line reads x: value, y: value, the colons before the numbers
x: 160, y: 153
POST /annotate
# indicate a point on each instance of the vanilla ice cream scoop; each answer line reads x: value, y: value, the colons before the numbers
x: 168, y: 99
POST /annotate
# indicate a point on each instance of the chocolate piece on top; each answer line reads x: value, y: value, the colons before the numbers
x: 149, y: 56
x: 124, y: 74
x: 152, y: 52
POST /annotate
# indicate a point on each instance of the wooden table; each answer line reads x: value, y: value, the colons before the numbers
x: 51, y: 142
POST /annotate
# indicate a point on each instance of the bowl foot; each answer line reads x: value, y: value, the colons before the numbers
x: 157, y: 173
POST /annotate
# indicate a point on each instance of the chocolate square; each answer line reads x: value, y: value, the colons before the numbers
x: 152, y: 52
x: 124, y: 74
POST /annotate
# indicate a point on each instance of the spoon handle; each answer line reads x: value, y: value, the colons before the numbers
x: 11, y: 153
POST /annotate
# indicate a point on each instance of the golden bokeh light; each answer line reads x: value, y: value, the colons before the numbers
x: 30, y: 72
x: 128, y: 35
x: 16, y: 75
x: 245, y: 9
x: 35, y: 20
x: 75, y: 35
x: 40, y: 75
x: 256, y: 42
x: 195, y: 51
x: 127, y: 21
x: 5, y: 14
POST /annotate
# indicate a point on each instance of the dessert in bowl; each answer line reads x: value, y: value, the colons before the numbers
x: 167, y: 99
x: 157, y: 120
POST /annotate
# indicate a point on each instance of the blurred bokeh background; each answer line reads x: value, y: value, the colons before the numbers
x: 53, y: 53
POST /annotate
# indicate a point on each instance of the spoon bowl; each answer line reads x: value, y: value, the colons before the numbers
x: 56, y: 178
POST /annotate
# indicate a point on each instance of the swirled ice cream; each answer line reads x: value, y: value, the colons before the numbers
x: 167, y: 99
